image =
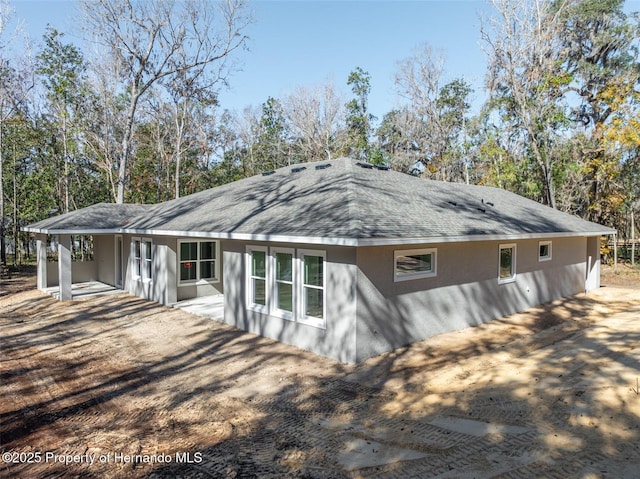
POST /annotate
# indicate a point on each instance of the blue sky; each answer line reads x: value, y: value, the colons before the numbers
x: 309, y: 42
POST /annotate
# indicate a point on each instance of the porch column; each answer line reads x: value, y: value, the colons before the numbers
x: 169, y: 260
x: 64, y: 267
x: 592, y: 280
x: 41, y: 261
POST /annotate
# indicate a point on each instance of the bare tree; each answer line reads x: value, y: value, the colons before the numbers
x: 189, y: 40
x: 316, y: 116
x: 525, y: 78
x: 399, y: 137
x: 16, y: 81
x: 106, y: 112
x: 435, y: 113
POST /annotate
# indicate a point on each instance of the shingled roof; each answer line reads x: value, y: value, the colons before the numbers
x: 99, y: 218
x: 336, y: 202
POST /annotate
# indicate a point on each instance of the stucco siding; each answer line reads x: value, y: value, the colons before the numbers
x: 465, y: 292
x: 104, y: 254
x: 162, y: 285
x: 81, y: 271
x: 336, y: 341
x: 593, y: 264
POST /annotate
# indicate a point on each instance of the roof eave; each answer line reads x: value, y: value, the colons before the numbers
x: 71, y: 231
x: 347, y: 241
x: 479, y: 237
x: 328, y: 241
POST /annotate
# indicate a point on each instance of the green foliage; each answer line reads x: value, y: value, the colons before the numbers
x: 271, y: 149
x: 62, y: 69
x: 359, y: 120
x: 563, y: 129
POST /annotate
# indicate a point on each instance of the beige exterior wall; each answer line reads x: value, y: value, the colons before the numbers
x: 104, y: 254
x: 465, y: 292
x: 163, y: 287
x: 336, y: 341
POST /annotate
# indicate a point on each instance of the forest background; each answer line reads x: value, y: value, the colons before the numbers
x: 135, y: 114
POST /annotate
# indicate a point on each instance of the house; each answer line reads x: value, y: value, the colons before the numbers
x: 341, y: 258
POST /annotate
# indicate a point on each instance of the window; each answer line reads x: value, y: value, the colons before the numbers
x: 146, y: 260
x: 414, y: 264
x: 198, y: 261
x: 507, y: 263
x: 142, y: 256
x: 257, y: 277
x: 312, y: 287
x: 283, y: 282
x: 137, y: 259
x: 544, y: 250
x: 207, y: 260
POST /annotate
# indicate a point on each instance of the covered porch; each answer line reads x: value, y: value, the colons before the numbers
x: 206, y: 306
x: 85, y: 290
x: 66, y: 278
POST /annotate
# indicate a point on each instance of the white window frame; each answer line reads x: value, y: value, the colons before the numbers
x: 249, y: 279
x: 550, y: 255
x: 216, y: 260
x: 418, y: 275
x: 135, y: 273
x: 302, y: 318
x: 145, y: 243
x: 273, y: 283
x: 511, y: 278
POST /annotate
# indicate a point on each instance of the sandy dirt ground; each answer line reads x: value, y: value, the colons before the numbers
x: 115, y: 387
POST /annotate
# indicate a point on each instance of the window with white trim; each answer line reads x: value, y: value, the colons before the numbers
x: 312, y: 287
x: 414, y: 264
x: 507, y: 263
x: 146, y: 260
x: 544, y: 250
x: 283, y: 283
x: 198, y: 261
x: 257, y: 267
x: 137, y: 258
x: 142, y: 258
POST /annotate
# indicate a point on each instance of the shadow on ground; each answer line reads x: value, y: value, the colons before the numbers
x: 549, y: 392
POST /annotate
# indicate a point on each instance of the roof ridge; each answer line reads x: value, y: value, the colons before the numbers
x: 355, y: 222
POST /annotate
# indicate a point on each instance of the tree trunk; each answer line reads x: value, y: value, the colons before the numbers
x: 633, y: 239
x: 65, y: 152
x: 3, y: 253
x: 126, y: 145
x: 180, y: 119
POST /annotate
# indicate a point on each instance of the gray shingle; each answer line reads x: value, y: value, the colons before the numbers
x: 350, y: 203
x: 95, y: 218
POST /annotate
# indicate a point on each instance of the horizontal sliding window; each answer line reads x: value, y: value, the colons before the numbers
x: 414, y: 264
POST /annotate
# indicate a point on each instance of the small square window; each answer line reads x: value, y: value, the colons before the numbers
x: 544, y: 250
